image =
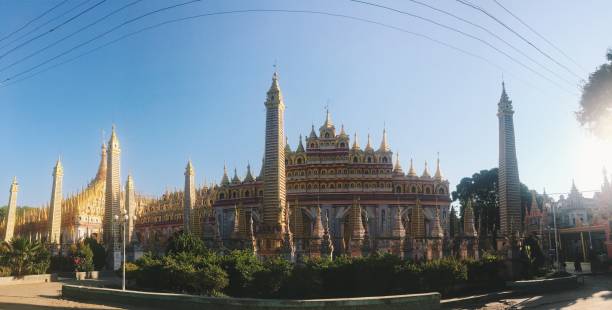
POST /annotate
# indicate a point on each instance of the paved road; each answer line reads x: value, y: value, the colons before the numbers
x: 39, y: 296
x: 595, y: 293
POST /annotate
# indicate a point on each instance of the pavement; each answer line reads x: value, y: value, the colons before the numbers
x: 43, y: 296
x: 594, y: 292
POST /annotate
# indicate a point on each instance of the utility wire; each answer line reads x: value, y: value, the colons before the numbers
x: 478, y: 8
x: 539, y: 35
x: 69, y: 36
x: 466, y: 35
x: 495, y: 36
x: 52, y: 29
x: 359, y: 19
x: 99, y: 36
x: 32, y: 20
x: 44, y: 24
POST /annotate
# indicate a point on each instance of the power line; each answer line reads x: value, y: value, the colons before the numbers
x: 539, y: 35
x: 467, y: 35
x: 52, y: 29
x: 32, y: 20
x: 99, y: 36
x: 44, y: 24
x: 69, y: 36
x: 359, y: 19
x: 478, y: 8
x: 495, y: 36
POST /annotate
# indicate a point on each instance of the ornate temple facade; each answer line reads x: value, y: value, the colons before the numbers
x: 327, y: 196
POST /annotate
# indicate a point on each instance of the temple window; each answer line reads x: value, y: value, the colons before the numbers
x: 247, y: 194
x: 222, y: 196
x: 369, y: 160
x: 355, y: 159
x: 427, y: 190
x: 299, y: 161
x: 312, y: 145
x: 384, y: 159
x: 413, y: 189
x: 441, y: 191
x: 398, y: 189
x: 327, y: 135
x: 342, y: 144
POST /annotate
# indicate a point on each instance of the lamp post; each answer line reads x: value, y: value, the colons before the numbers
x: 123, y: 220
x: 554, y: 207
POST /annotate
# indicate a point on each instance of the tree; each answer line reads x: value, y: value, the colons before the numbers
x: 25, y: 257
x: 482, y: 189
x: 185, y: 242
x: 99, y: 253
x: 596, y: 102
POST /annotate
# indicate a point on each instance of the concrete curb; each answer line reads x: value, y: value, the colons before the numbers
x: 182, y: 301
x: 35, y: 278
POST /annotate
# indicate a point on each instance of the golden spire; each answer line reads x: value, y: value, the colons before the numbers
x: 287, y: 146
x: 384, y: 146
x: 438, y: 174
x: 426, y: 172
x: 328, y: 122
x: 369, y: 145
x: 398, y: 168
x: 411, y: 171
x: 355, y: 142
x: 342, y: 132
x: 225, y: 179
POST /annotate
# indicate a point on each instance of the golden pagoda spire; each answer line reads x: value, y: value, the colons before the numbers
x: 397, y: 169
x: 411, y: 171
x: 225, y: 179
x: 426, y: 172
x: 438, y: 174
x: 369, y: 145
x: 355, y: 142
x: 384, y: 145
x: 342, y: 132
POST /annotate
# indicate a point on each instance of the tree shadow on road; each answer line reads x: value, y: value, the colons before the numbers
x: 14, y: 306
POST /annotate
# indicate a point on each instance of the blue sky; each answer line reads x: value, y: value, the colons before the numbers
x: 196, y: 89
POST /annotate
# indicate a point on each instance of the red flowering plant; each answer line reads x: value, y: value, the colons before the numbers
x: 82, y: 257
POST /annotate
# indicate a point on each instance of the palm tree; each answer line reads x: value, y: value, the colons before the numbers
x: 24, y: 257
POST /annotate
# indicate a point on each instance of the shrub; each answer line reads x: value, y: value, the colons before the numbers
x: 269, y: 282
x: 440, y: 275
x: 306, y: 280
x: 82, y: 257
x: 24, y: 257
x: 185, y: 242
x: 61, y: 263
x: 180, y: 272
x: 99, y: 253
x: 408, y: 278
x: 240, y: 267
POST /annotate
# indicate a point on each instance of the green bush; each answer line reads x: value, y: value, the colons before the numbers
x: 270, y: 281
x: 82, y: 257
x: 99, y: 253
x: 440, y: 275
x: 185, y: 242
x: 24, y: 257
x: 180, y: 272
x: 240, y: 267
